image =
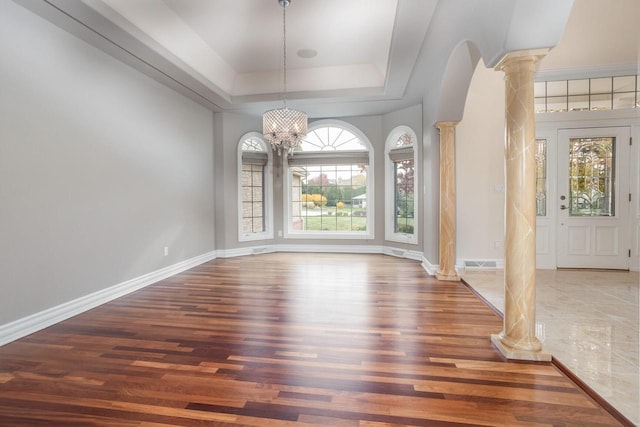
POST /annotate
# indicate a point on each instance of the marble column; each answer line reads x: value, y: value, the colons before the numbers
x: 518, y: 338
x: 447, y: 243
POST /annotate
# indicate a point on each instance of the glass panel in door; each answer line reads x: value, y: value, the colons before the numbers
x: 541, y: 177
x: 592, y: 176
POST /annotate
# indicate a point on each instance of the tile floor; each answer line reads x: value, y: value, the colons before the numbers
x: 589, y: 321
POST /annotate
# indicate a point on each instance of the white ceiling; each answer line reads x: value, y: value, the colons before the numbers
x: 373, y: 56
x: 238, y: 46
x: 344, y: 33
x: 235, y: 48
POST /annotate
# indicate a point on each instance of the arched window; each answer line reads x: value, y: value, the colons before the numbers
x: 401, y: 205
x: 330, y: 183
x: 255, y: 218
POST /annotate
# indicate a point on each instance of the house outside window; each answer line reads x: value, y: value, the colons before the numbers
x: 401, y: 207
x: 330, y: 182
x: 254, y: 189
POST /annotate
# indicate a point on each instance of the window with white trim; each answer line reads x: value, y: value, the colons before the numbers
x: 254, y: 189
x: 600, y: 93
x: 330, y: 183
x: 400, y: 176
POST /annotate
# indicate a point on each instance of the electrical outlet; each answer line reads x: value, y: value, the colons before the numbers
x: 166, y: 250
x: 279, y: 233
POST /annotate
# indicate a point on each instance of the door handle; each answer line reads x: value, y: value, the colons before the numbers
x: 563, y: 207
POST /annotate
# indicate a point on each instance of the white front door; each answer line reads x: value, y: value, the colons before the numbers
x: 593, y: 191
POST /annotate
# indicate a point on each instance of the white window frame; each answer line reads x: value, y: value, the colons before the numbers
x: 390, y: 187
x: 267, y: 190
x: 288, y: 203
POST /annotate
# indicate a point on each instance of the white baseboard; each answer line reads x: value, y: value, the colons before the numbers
x: 254, y: 250
x: 351, y: 249
x: 35, y: 322
x: 402, y: 253
x: 431, y: 269
x: 251, y: 250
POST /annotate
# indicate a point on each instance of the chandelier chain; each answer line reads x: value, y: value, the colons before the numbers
x: 282, y: 127
x: 284, y: 51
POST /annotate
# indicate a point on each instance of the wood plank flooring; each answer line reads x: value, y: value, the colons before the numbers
x: 285, y: 340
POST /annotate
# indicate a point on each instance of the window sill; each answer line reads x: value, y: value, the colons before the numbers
x: 402, y: 238
x: 253, y: 237
x: 328, y: 235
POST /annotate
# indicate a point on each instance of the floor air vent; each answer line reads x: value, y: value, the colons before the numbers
x: 471, y: 264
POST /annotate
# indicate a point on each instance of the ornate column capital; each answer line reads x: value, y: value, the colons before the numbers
x: 445, y: 125
x: 517, y: 60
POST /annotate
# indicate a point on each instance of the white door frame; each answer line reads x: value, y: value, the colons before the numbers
x: 547, y: 126
x: 594, y: 242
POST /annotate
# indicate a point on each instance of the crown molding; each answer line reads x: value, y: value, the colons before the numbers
x: 593, y: 71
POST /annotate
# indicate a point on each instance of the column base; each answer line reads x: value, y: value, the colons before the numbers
x: 453, y: 277
x: 516, y: 354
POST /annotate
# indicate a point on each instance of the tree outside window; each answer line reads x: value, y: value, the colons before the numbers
x: 400, y: 188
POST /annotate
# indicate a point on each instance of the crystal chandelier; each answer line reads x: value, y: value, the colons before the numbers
x: 283, y: 127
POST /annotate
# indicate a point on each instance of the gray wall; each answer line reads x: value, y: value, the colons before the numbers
x: 431, y: 179
x: 100, y: 168
x: 230, y: 127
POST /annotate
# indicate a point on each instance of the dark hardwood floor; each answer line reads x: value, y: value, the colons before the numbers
x: 286, y: 340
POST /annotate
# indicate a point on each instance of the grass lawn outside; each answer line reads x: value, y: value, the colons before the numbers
x: 404, y: 225
x: 333, y: 219
x: 338, y: 220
